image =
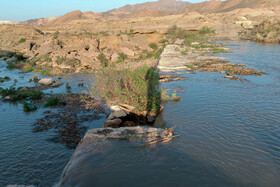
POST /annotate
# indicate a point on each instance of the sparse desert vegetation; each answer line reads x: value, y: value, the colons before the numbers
x: 135, y: 87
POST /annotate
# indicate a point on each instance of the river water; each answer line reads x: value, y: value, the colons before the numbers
x: 229, y: 135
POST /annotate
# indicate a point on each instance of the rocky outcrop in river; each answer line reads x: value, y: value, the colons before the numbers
x: 96, y: 139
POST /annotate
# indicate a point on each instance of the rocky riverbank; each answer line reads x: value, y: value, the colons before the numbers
x: 268, y: 32
x: 59, y: 53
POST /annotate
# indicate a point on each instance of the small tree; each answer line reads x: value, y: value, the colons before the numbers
x: 104, y: 62
x: 122, y: 57
x: 153, y: 46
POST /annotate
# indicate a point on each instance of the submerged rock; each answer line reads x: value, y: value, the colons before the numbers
x: 56, y: 83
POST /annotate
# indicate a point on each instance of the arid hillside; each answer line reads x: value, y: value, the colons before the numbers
x: 161, y: 5
x: 165, y: 8
x: 215, y: 6
x: 65, y: 19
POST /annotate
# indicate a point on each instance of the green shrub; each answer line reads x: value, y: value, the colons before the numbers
x: 10, y: 65
x: 40, y: 59
x: 207, y: 46
x: 104, y: 33
x: 190, y: 65
x: 10, y: 54
x: 217, y: 50
x: 104, y: 62
x: 153, y: 46
x: 28, y: 69
x: 175, y: 98
x: 3, y: 79
x: 185, y: 52
x: 175, y: 32
x: 54, y: 101
x: 196, y: 46
x: 45, y: 72
x: 138, y: 88
x: 152, y: 54
x: 22, y: 40
x: 164, y: 95
x: 207, y: 31
x: 55, y: 35
x: 122, y: 57
x: 60, y: 43
x: 18, y: 94
x: 19, y: 56
x: 27, y: 108
x: 163, y: 41
x: 35, y: 78
x: 158, y: 53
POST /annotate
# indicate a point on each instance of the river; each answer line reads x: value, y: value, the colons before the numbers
x: 229, y: 135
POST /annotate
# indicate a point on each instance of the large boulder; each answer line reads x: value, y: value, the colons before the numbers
x: 46, y: 81
x: 115, y: 57
x: 112, y: 42
x: 127, y: 51
x: 120, y: 114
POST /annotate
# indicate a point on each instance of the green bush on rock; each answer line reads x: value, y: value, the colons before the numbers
x: 175, y: 32
x: 21, y: 94
x: 138, y: 88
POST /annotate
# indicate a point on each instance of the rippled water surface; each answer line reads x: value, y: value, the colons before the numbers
x: 229, y: 136
x: 25, y: 157
x: 229, y: 133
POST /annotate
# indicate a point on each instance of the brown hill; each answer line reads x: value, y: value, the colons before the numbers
x: 229, y: 5
x: 203, y: 7
x: 160, y: 5
x: 65, y: 19
x: 145, y: 13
